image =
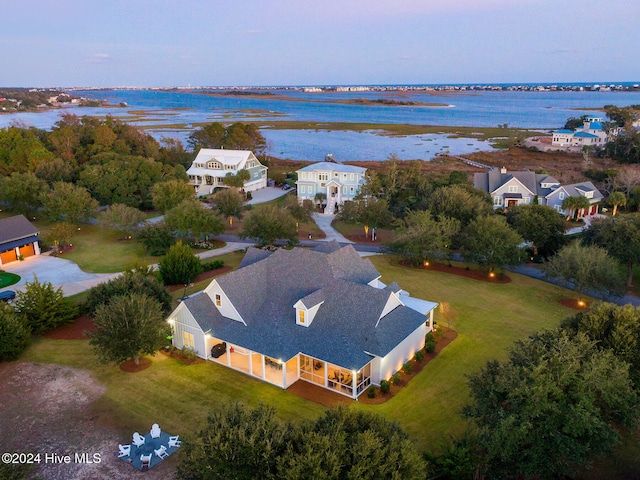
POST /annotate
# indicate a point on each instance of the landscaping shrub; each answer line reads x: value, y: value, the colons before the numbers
x: 179, y: 265
x: 429, y: 343
x: 15, y: 334
x: 371, y: 391
x: 188, y: 353
x: 216, y: 264
x: 385, y: 386
x: 408, y: 368
x: 419, y: 356
x: 44, y: 306
x: 395, y: 378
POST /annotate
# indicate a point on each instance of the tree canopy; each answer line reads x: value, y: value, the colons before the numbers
x: 192, y: 218
x: 179, y: 265
x: 540, y: 225
x: 269, y: 223
x: 44, y: 306
x: 250, y: 443
x: 620, y: 236
x: 237, y: 136
x: 586, y: 267
x: 423, y: 238
x: 168, y: 194
x: 550, y: 406
x: 70, y: 203
x: 127, y: 327
x: 490, y: 242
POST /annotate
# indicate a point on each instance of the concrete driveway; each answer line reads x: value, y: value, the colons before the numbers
x: 59, y: 272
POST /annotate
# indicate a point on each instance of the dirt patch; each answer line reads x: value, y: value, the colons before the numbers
x: 130, y: 366
x: 574, y: 304
x: 49, y: 409
x: 74, y: 331
x: 202, y: 276
x: 66, y: 249
x: 463, y: 272
x: 444, y: 337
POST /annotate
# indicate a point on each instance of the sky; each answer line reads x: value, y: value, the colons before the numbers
x: 67, y: 43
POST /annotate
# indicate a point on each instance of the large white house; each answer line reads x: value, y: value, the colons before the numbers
x: 337, y: 181
x: 211, y: 166
x: 591, y: 134
x: 521, y: 188
x: 322, y: 316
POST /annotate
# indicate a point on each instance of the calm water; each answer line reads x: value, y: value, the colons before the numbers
x: 536, y: 110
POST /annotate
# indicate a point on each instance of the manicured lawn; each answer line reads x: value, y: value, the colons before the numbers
x: 7, y: 279
x: 179, y: 396
x: 356, y: 233
x: 101, y: 250
x: 488, y: 318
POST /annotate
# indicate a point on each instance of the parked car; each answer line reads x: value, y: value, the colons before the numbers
x: 7, y: 296
x: 219, y: 349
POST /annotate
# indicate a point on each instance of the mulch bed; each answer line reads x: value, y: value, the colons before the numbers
x: 202, y: 276
x: 130, y: 367
x: 574, y: 304
x: 177, y: 355
x: 62, y: 250
x: 463, y: 272
x: 327, y: 398
x: 447, y: 336
x: 73, y: 331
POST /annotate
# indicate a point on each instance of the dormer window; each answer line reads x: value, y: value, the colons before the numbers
x: 218, y: 300
x: 301, y: 316
x: 213, y: 165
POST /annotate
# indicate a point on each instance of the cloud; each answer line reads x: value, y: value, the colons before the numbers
x: 99, y: 58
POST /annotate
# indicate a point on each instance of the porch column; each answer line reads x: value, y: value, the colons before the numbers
x: 36, y: 248
x: 354, y: 384
x: 284, y: 374
x: 250, y: 362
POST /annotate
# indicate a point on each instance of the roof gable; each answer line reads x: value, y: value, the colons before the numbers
x: 15, y: 228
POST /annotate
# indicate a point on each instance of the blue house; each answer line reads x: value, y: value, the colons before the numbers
x: 337, y: 181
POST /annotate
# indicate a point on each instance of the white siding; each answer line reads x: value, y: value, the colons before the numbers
x: 394, y: 360
x: 226, y: 307
x: 182, y: 321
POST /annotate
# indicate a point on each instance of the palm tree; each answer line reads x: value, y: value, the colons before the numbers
x: 617, y: 199
x: 575, y: 205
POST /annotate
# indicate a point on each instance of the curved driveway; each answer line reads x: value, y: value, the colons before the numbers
x: 59, y: 272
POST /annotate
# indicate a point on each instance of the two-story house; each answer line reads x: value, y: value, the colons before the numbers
x: 322, y: 316
x: 591, y: 134
x: 520, y: 188
x: 208, y: 170
x: 337, y: 181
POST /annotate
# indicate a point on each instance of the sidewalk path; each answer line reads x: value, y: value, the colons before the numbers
x: 324, y: 223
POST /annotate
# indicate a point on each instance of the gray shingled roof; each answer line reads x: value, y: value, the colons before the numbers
x: 493, y: 179
x: 254, y: 255
x: 572, y: 190
x: 344, y: 328
x: 16, y: 228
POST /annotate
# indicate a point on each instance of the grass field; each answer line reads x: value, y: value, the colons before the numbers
x: 488, y: 318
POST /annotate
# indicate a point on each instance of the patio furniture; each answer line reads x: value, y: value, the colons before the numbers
x: 146, y: 462
x: 155, y: 431
x: 174, y: 442
x: 138, y: 439
x: 125, y: 451
x: 161, y: 452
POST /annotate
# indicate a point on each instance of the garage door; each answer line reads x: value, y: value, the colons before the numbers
x: 27, y: 250
x: 9, y: 256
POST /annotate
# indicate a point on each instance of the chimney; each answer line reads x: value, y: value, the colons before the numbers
x: 503, y: 170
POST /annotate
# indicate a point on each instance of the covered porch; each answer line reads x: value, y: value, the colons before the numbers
x: 350, y: 383
x: 272, y: 370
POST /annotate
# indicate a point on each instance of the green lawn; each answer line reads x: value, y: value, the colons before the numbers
x: 101, y: 250
x: 7, y: 279
x: 489, y: 317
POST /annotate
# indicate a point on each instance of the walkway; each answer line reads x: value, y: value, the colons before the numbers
x: 324, y: 223
x: 267, y: 194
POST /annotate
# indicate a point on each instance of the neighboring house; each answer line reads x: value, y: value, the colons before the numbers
x: 320, y: 315
x: 337, y: 181
x: 521, y: 188
x: 18, y: 238
x: 591, y: 134
x: 208, y: 170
